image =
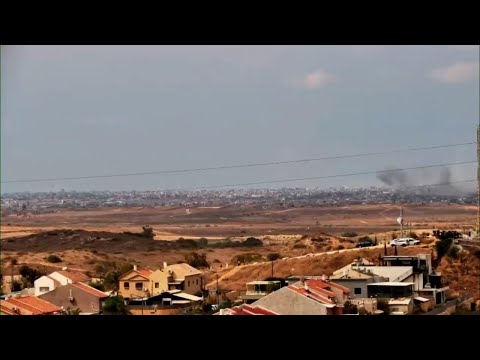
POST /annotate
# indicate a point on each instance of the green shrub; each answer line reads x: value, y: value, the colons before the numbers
x: 115, y: 305
x: 340, y: 247
x: 186, y: 243
x: 197, y: 260
x: 349, y: 234
x: 442, y: 246
x: 246, y: 258
x: 299, y: 246
x: 453, y: 252
x: 365, y: 238
x: 251, y: 242
x: 349, y: 308
x: 54, y: 259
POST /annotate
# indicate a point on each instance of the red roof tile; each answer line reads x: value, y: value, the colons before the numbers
x: 74, y: 275
x: 144, y: 272
x: 34, y: 305
x: 312, y: 295
x: 90, y: 290
x: 250, y: 310
x: 7, y: 311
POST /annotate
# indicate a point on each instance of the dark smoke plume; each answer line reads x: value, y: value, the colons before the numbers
x: 420, y: 177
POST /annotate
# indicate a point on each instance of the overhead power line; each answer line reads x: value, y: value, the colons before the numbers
x: 326, y: 176
x: 223, y: 167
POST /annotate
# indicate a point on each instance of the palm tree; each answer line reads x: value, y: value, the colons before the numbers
x: 70, y: 311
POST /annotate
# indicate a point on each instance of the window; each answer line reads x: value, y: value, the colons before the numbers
x: 138, y: 286
x: 357, y: 291
x: 157, y: 285
x: 126, y: 285
x: 44, y: 289
x: 188, y: 283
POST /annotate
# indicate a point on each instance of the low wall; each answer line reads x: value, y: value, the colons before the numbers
x: 451, y: 306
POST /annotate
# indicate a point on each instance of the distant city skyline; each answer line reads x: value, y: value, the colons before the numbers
x: 73, y: 111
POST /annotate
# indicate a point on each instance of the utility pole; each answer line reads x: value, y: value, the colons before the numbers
x: 272, y: 268
x: 478, y: 181
x: 218, y: 295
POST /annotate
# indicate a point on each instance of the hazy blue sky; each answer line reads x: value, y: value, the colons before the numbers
x: 94, y: 110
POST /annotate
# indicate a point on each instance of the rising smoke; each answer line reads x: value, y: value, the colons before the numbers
x: 398, y: 178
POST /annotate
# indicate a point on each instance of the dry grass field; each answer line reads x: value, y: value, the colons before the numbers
x: 85, y: 238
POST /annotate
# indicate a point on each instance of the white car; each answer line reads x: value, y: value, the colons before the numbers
x: 404, y: 242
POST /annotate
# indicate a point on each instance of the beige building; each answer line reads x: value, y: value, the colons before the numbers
x: 139, y: 283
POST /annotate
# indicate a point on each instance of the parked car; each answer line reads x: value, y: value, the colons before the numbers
x: 364, y: 243
x: 404, y: 242
x: 413, y: 242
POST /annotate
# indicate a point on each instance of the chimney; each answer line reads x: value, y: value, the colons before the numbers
x: 324, y: 277
x: 135, y: 267
x: 222, y: 311
x: 306, y: 286
x: 164, y: 264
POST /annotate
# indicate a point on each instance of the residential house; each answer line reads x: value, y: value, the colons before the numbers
x: 308, y: 297
x: 27, y: 305
x: 427, y: 282
x: 135, y: 283
x: 177, y: 277
x: 58, y: 278
x: 145, y: 283
x: 357, y: 277
x: 258, y: 289
x: 77, y: 295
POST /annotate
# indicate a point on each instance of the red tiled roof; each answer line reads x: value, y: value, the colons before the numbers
x: 7, y: 311
x: 250, y: 310
x: 312, y: 295
x: 34, y: 305
x: 90, y: 290
x: 144, y: 272
x: 74, y: 275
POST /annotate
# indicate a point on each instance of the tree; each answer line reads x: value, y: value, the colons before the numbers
x: 29, y: 274
x: 111, y: 281
x: 251, y: 241
x: 273, y: 256
x: 70, y: 311
x: 115, y: 305
x: 148, y: 232
x: 100, y: 270
x: 453, y: 252
x: 16, y: 286
x: 350, y: 308
x: 442, y: 246
x: 197, y: 260
x: 97, y: 285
